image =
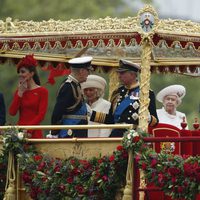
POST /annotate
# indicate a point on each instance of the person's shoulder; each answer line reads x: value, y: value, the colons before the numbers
x: 180, y: 114
x: 105, y: 102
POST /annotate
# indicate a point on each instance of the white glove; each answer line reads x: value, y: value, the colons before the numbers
x: 49, y: 136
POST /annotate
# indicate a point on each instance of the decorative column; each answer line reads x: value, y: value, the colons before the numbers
x: 147, y: 21
x: 113, y: 77
x: 145, y: 82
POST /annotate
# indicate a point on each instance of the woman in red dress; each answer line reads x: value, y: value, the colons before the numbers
x: 30, y: 99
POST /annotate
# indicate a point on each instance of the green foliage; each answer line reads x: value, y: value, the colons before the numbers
x: 64, y: 9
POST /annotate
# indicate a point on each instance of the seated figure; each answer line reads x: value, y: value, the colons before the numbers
x: 171, y: 98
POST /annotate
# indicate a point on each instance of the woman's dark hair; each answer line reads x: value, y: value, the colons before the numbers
x: 34, y: 70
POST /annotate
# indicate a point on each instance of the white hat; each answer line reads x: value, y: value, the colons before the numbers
x: 94, y: 81
x: 176, y: 90
x: 81, y: 62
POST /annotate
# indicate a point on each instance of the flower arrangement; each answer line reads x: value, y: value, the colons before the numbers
x: 132, y: 140
x: 177, y: 176
x: 13, y: 140
x: 97, y: 178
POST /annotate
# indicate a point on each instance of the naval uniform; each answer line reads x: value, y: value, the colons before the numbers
x: 124, y: 109
x: 70, y: 108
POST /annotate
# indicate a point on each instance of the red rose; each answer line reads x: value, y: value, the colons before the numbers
x: 112, y: 158
x: 80, y: 189
x: 136, y: 139
x: 144, y: 166
x: 137, y: 158
x: 69, y: 180
x: 153, y: 162
x: 173, y: 179
x: 120, y: 148
x: 104, y: 178
x: 57, y: 168
x: 41, y: 166
x: 26, y: 177
x: 72, y: 162
x: 61, y: 187
x: 180, y: 189
x: 37, y: 157
x: 125, y: 154
x: 173, y: 171
x: 75, y: 171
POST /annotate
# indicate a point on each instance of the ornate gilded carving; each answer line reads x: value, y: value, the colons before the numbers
x: 145, y: 82
x: 78, y: 26
x: 174, y: 28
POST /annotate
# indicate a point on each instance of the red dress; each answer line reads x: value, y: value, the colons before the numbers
x: 32, y: 107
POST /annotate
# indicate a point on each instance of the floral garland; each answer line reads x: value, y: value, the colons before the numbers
x: 99, y: 178
x: 178, y: 176
x: 51, y: 178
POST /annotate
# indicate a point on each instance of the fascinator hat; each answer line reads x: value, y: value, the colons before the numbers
x: 28, y: 62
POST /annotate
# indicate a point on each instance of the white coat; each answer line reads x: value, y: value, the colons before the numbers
x: 174, y: 120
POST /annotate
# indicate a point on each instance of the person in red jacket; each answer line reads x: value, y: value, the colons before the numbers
x: 30, y: 99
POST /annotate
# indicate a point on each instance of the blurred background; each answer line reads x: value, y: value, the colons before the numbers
x: 38, y: 10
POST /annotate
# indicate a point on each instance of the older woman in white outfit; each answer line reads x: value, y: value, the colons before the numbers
x: 171, y: 98
x: 93, y: 90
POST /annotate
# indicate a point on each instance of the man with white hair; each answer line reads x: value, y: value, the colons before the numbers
x: 171, y: 98
x: 93, y: 90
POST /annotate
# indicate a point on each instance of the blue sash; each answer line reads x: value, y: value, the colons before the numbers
x: 81, y: 111
x: 124, y: 104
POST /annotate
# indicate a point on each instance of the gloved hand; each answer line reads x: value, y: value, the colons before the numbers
x: 50, y: 136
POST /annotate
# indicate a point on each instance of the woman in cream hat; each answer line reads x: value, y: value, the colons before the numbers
x: 171, y: 98
x: 93, y: 90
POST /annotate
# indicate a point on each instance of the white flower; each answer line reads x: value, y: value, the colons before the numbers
x: 4, y: 140
x: 135, y: 134
x: 129, y: 136
x: 70, y: 132
x: 20, y: 135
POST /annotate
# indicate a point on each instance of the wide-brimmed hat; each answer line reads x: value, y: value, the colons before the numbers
x: 126, y: 65
x: 81, y: 62
x: 94, y: 81
x: 176, y: 90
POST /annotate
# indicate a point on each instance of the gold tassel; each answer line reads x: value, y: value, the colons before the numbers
x: 129, y: 178
x: 10, y: 193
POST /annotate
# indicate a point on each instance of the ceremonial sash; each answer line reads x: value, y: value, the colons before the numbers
x: 67, y: 121
x: 124, y: 104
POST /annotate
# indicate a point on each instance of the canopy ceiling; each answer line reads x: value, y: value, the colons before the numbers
x: 175, y: 43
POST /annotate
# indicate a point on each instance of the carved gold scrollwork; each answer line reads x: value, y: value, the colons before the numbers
x: 145, y: 82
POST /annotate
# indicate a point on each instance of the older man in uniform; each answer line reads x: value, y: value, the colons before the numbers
x: 125, y: 101
x: 171, y: 98
x: 70, y: 107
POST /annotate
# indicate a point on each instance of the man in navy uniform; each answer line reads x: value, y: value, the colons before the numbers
x: 125, y: 101
x: 70, y: 107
